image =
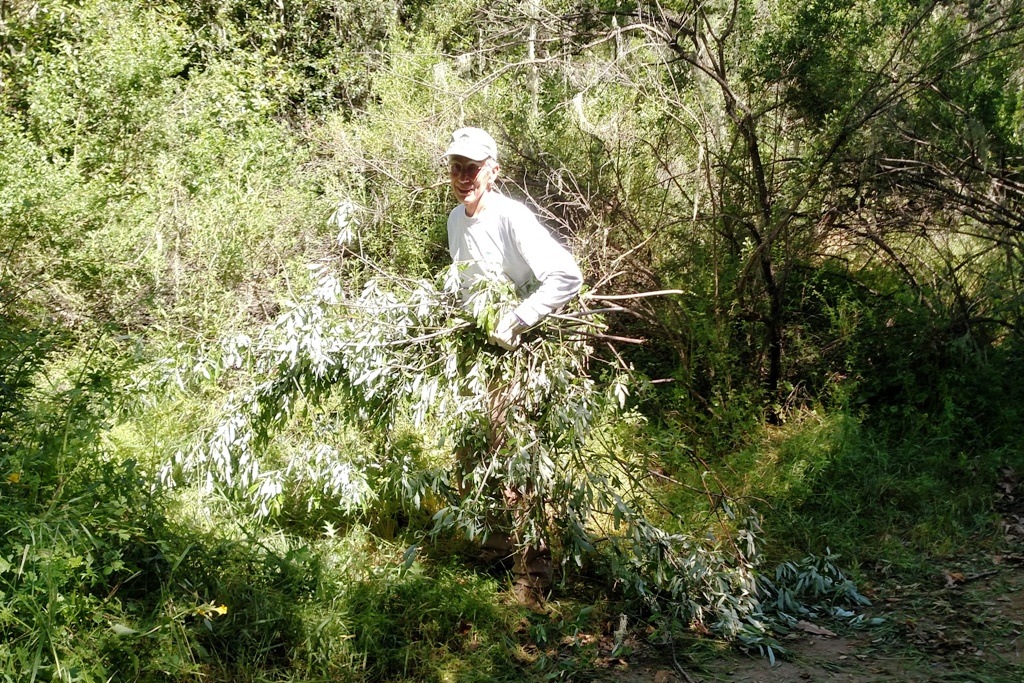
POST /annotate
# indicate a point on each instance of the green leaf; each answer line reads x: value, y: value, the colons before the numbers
x: 409, y: 556
x: 122, y: 630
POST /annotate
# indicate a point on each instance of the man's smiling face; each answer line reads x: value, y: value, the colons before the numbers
x: 471, y: 179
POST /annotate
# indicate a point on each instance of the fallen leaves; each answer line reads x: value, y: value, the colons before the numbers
x: 941, y: 639
x: 1007, y: 488
x: 814, y: 629
x: 611, y: 662
x: 1009, y: 500
x: 1013, y: 527
x: 954, y: 579
x: 664, y: 676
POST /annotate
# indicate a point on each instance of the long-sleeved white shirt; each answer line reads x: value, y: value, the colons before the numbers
x: 504, y: 237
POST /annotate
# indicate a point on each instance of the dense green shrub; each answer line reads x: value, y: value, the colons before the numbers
x: 830, y: 190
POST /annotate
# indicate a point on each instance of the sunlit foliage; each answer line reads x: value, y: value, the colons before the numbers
x: 829, y: 193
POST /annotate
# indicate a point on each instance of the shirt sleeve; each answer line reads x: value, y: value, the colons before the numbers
x: 453, y: 235
x: 552, y: 264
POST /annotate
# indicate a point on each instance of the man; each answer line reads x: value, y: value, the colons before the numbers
x: 491, y: 235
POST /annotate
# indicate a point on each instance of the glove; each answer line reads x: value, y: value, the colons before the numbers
x: 506, y: 334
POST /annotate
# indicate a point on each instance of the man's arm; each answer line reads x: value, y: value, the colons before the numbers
x: 552, y: 264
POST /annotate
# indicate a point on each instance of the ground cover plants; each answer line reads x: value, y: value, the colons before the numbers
x: 233, y: 375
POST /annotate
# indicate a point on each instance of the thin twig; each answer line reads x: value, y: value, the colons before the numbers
x: 410, y: 340
x: 623, y: 297
x: 595, y: 311
x: 576, y: 321
x: 425, y: 337
x: 609, y: 337
x: 675, y: 662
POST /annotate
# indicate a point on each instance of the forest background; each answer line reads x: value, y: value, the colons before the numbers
x: 197, y: 196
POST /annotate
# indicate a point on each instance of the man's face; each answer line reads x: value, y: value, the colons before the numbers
x: 471, y: 179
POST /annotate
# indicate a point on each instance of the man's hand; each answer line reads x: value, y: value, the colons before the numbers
x: 506, y: 334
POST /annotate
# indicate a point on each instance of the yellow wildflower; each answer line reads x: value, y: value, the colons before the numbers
x: 221, y: 609
x: 14, y: 477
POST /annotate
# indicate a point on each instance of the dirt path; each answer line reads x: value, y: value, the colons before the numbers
x: 965, y: 623
x: 968, y: 626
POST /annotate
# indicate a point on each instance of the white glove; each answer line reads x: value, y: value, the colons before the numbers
x: 506, y: 334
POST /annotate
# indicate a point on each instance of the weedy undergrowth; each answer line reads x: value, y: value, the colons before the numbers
x: 81, y: 563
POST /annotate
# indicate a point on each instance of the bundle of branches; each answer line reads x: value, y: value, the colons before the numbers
x: 400, y: 357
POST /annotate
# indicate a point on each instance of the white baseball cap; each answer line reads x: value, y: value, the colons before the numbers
x: 472, y: 143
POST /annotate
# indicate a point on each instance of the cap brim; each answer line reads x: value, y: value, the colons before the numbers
x: 473, y: 152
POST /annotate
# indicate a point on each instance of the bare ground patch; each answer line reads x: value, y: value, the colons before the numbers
x: 964, y: 624
x: 968, y: 632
